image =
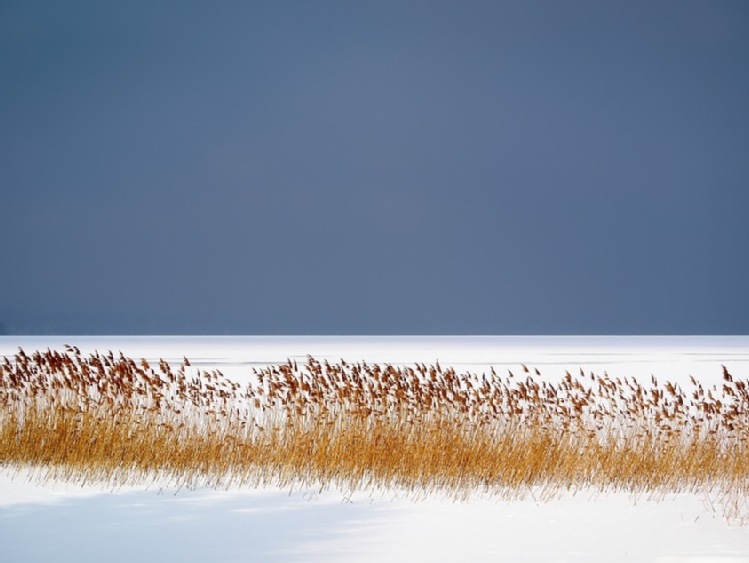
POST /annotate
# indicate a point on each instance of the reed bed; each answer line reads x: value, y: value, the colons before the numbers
x: 424, y: 428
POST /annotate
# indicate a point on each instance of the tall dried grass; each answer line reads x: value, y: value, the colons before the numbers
x: 422, y: 428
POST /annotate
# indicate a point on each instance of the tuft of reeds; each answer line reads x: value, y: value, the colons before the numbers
x: 106, y: 417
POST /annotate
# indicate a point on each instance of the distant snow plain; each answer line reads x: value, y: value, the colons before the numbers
x: 40, y: 521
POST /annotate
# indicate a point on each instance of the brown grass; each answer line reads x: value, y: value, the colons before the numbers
x: 422, y: 428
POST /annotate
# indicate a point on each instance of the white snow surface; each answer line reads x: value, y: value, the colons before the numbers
x: 41, y: 521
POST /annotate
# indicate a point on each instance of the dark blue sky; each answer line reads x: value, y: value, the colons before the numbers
x: 384, y: 167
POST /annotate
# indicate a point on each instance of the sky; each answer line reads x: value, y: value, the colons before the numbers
x: 390, y: 167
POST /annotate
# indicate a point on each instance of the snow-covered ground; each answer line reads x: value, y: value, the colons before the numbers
x: 155, y: 522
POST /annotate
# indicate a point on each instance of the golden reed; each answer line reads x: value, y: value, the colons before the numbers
x: 106, y: 417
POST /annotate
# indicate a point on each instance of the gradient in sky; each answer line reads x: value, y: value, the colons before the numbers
x: 384, y: 167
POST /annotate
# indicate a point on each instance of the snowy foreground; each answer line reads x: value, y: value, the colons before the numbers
x: 155, y: 522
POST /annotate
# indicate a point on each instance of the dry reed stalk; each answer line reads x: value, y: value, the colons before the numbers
x: 423, y: 428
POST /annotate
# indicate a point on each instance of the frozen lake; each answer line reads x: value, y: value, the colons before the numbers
x: 674, y: 357
x: 39, y: 521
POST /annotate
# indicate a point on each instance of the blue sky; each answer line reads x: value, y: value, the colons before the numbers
x: 374, y: 168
